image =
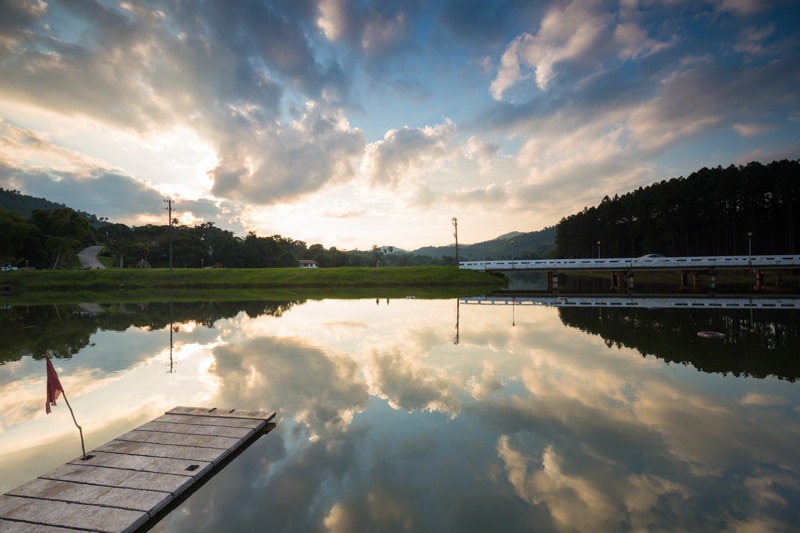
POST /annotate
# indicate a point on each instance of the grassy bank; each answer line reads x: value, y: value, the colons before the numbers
x: 267, y: 283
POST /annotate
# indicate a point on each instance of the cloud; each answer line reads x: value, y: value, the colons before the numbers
x: 742, y: 7
x: 405, y: 153
x: 375, y: 29
x: 578, y: 35
x: 696, y: 99
x: 17, y: 16
x: 751, y: 130
x: 225, y: 72
x: 288, y: 161
x: 751, y: 39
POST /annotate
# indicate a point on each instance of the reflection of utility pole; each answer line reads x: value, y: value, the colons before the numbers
x: 169, y: 210
x: 455, y: 225
x: 457, y: 338
x: 513, y: 309
x: 170, y: 333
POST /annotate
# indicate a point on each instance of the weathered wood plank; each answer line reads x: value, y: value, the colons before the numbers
x: 116, y: 477
x: 230, y: 413
x: 197, y: 429
x: 74, y: 515
x: 146, y: 464
x: 252, y: 423
x: 180, y: 439
x: 190, y: 453
x: 24, y: 527
x: 69, y: 491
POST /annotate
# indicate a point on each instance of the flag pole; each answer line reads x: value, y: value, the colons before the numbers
x: 54, y: 389
x: 80, y: 430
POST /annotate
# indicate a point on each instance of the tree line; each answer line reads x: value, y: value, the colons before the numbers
x: 51, y: 238
x: 736, y: 210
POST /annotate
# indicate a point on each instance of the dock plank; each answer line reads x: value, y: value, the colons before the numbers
x: 168, y: 451
x: 128, y: 481
x: 24, y: 527
x: 117, y: 477
x: 211, y: 420
x: 226, y: 413
x: 179, y: 439
x: 159, y: 465
x: 74, y: 515
x: 70, y: 491
x: 197, y: 429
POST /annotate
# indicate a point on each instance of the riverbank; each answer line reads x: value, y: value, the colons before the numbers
x: 136, y: 284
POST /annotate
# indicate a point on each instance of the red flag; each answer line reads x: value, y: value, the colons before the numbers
x: 54, y: 388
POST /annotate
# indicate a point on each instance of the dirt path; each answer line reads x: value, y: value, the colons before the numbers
x: 88, y: 258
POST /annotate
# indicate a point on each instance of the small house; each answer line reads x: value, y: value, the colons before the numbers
x: 308, y: 263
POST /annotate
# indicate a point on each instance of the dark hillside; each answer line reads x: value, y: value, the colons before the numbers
x: 719, y: 211
x: 16, y: 202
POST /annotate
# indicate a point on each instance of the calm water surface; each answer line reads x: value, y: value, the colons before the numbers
x: 433, y: 415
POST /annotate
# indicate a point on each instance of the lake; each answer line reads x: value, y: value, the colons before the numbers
x: 432, y: 415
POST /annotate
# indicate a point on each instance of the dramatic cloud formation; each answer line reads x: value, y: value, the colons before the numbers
x: 360, y: 123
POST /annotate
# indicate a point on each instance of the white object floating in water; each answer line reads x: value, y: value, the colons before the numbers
x: 711, y: 334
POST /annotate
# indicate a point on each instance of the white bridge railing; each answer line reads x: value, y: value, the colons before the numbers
x: 639, y: 263
x: 657, y: 302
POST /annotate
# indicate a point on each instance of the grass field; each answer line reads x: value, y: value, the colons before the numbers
x: 44, y: 286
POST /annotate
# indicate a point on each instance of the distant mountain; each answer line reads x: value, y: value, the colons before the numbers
x: 531, y: 245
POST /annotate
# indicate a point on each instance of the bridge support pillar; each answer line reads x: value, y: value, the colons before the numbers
x: 684, y: 279
x: 552, y: 281
x: 759, y: 279
x: 622, y: 280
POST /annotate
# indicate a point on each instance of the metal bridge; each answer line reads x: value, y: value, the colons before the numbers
x: 713, y: 262
x: 643, y: 302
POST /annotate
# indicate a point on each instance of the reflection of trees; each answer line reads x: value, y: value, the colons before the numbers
x: 758, y: 343
x: 63, y: 330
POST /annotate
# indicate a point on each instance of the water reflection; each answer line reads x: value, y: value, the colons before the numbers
x: 530, y: 418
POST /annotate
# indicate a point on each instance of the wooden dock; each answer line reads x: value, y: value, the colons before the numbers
x: 136, y: 478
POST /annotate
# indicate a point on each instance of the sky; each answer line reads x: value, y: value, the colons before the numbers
x: 377, y: 122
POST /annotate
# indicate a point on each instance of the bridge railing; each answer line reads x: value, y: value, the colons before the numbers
x: 628, y: 263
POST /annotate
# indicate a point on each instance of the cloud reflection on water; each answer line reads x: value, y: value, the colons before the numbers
x: 385, y: 424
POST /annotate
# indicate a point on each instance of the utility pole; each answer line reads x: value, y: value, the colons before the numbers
x: 455, y: 225
x: 169, y: 209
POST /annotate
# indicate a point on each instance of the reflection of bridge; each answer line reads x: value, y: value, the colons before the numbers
x: 622, y: 269
x: 644, y: 302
